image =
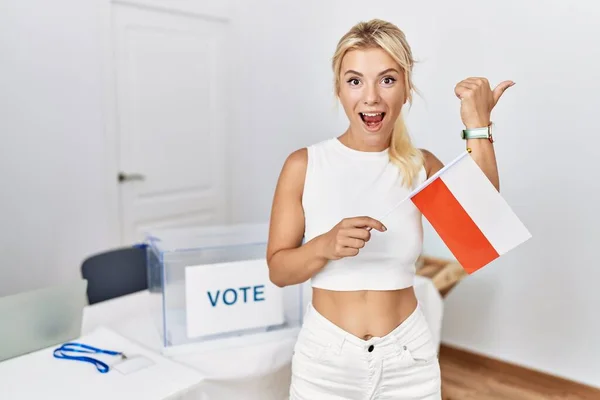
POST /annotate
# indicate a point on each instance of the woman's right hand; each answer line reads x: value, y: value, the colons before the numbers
x: 349, y: 236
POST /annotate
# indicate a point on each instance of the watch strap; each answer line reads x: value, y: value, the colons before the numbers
x: 478, y: 133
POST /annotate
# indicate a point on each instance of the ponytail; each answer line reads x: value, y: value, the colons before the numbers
x: 402, y: 153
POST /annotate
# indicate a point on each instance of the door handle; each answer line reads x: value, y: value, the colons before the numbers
x: 123, y: 177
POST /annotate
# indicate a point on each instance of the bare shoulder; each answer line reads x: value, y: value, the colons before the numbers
x: 297, y: 159
x: 295, y: 165
x: 432, y: 163
x: 293, y: 171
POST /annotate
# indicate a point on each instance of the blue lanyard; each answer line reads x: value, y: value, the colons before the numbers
x: 84, y: 348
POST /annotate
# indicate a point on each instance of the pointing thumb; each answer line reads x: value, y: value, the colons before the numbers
x: 498, y: 90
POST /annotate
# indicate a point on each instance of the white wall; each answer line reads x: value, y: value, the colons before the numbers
x: 54, y: 208
x: 537, y: 306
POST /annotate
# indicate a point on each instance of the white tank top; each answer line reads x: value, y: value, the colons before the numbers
x: 342, y: 182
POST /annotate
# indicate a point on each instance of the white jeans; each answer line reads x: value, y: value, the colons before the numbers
x: 332, y: 364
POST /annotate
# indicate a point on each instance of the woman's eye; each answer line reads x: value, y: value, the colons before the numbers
x: 388, y: 80
x: 353, y: 81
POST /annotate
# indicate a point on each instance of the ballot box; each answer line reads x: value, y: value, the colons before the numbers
x: 211, y: 285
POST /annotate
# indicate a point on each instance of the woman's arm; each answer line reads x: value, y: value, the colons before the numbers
x: 477, y: 100
x: 482, y: 152
x: 289, y: 261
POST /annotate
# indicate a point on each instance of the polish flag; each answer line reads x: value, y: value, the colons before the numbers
x: 471, y: 217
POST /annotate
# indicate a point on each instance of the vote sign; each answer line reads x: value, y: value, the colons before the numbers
x: 231, y: 296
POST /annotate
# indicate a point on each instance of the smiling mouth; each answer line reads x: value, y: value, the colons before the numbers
x: 372, y: 120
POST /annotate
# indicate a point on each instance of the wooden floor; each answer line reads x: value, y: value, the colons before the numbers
x: 466, y: 376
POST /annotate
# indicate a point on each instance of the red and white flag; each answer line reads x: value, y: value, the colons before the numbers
x: 471, y: 217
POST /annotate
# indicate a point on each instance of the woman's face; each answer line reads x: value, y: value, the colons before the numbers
x: 372, y: 93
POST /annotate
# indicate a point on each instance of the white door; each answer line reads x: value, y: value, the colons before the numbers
x: 171, y: 117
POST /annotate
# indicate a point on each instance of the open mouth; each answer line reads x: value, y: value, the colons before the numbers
x: 373, y: 121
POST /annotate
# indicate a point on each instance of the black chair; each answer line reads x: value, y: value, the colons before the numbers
x: 115, y: 273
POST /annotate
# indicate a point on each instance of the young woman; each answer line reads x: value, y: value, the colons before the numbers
x: 364, y: 335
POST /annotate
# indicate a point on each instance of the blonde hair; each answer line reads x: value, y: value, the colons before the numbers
x: 387, y: 36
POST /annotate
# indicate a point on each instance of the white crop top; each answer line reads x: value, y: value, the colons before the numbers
x: 342, y: 182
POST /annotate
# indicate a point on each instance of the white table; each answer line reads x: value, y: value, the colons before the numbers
x: 39, y: 375
x: 257, y: 371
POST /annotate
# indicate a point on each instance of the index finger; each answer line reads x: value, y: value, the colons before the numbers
x: 367, y: 222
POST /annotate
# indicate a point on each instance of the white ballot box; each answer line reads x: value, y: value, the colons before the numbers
x: 211, y: 285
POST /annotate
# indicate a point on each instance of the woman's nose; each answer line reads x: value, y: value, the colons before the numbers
x: 371, y: 95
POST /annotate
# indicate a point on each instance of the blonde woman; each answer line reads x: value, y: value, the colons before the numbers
x: 364, y: 335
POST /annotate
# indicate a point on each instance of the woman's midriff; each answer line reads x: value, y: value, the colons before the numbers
x: 365, y: 313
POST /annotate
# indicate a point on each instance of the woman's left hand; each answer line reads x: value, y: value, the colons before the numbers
x: 477, y: 100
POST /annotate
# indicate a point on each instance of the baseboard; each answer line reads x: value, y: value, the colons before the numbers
x: 528, y: 376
